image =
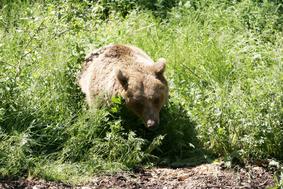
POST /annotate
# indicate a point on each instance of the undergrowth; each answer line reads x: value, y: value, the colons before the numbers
x: 225, y: 65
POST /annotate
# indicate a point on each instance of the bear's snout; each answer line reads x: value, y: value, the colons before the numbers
x: 151, y: 116
x: 151, y: 124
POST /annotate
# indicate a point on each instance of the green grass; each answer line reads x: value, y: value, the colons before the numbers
x: 225, y: 73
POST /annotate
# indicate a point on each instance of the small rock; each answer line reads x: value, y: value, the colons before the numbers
x: 38, y: 187
x: 273, y: 164
x: 183, y: 177
x: 85, y: 187
x: 122, y: 178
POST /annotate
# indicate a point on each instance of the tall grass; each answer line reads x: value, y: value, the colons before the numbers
x: 224, y: 71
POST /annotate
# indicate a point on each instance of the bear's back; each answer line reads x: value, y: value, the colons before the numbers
x: 98, y: 75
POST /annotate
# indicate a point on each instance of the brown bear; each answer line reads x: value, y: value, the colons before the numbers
x: 126, y: 71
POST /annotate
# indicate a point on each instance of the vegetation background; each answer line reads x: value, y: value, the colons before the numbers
x: 225, y: 73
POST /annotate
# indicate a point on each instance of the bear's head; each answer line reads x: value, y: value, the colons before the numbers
x: 145, y: 91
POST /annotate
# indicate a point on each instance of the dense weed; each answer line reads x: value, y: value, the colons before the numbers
x: 224, y: 71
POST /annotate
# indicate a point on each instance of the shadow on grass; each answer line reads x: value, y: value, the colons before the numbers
x: 180, y: 146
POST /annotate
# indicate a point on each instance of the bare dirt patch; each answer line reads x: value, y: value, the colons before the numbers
x: 203, y: 176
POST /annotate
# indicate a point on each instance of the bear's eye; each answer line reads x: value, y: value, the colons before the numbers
x: 156, y: 101
x: 138, y: 104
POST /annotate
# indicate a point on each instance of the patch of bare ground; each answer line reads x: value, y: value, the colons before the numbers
x: 203, y: 176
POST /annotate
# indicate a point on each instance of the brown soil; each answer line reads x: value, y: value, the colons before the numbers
x: 203, y: 176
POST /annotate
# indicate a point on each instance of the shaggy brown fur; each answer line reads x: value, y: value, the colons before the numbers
x: 129, y: 72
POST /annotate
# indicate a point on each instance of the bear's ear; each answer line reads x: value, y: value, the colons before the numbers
x: 159, y: 66
x: 123, y: 78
